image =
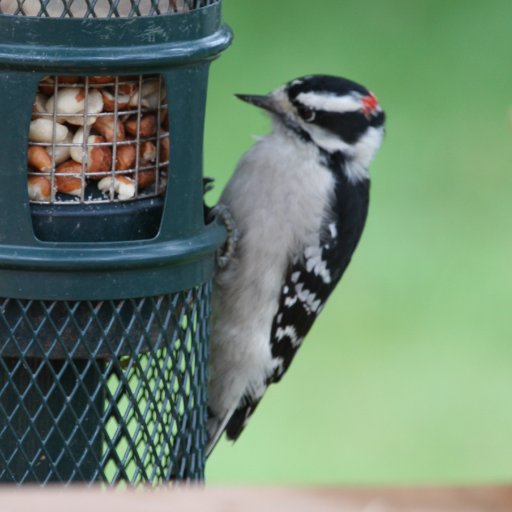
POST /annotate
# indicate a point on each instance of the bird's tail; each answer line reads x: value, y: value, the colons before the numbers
x: 215, y: 426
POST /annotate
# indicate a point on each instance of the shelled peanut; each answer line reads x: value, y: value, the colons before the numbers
x: 101, y: 131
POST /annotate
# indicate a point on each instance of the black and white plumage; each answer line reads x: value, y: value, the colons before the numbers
x: 299, y: 198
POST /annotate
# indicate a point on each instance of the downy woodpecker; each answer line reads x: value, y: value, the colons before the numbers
x: 299, y: 199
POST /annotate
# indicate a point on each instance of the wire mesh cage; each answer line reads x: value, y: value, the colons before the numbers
x: 105, y: 259
x: 99, y: 8
x: 133, y: 374
x: 98, y: 138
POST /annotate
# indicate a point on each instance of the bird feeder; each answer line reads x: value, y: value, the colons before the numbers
x: 105, y: 259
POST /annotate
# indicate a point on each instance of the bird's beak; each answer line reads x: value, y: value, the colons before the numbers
x: 265, y: 102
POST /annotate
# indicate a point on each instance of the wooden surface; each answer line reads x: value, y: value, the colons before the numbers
x: 266, y: 499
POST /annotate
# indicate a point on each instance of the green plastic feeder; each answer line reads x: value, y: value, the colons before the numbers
x: 104, y: 290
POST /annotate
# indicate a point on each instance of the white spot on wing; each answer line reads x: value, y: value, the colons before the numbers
x: 290, y: 301
x: 315, y: 263
x: 289, y: 332
x: 308, y: 299
x: 332, y: 230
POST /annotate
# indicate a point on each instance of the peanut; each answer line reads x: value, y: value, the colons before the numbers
x: 147, y: 126
x: 39, y: 159
x: 42, y: 130
x: 109, y: 101
x: 147, y: 151
x: 67, y: 178
x: 99, y: 157
x: 123, y: 185
x: 104, y: 125
x: 146, y: 178
x: 128, y: 88
x: 125, y: 156
x: 39, y: 188
x: 101, y: 79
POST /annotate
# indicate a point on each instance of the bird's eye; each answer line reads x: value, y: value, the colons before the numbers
x: 308, y: 114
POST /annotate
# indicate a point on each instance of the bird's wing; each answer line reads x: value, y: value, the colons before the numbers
x: 307, y: 285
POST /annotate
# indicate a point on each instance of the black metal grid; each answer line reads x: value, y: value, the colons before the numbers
x: 104, y: 391
x: 99, y: 8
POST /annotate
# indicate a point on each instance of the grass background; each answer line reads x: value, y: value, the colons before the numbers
x: 407, y: 375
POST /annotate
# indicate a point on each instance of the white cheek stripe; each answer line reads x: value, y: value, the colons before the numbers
x: 330, y: 102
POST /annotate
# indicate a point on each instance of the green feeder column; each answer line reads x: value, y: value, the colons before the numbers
x: 105, y: 259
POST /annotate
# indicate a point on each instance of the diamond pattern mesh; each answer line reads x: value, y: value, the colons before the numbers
x: 99, y: 8
x: 104, y: 391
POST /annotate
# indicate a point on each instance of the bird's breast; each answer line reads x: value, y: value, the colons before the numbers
x: 291, y: 195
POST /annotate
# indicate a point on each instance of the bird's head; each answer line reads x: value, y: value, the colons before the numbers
x: 341, y: 117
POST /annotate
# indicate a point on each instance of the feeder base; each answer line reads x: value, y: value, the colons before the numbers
x: 104, y: 222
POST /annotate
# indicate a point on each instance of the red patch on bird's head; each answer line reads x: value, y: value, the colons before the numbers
x: 370, y: 104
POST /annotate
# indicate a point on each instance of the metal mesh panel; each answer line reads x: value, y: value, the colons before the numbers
x: 98, y: 139
x: 99, y: 8
x: 104, y: 390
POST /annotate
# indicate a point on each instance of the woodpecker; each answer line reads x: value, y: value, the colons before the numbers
x: 299, y: 199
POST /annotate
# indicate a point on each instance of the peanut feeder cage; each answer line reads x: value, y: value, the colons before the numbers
x: 105, y: 259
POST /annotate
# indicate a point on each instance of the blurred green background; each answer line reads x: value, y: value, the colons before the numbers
x: 407, y: 375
